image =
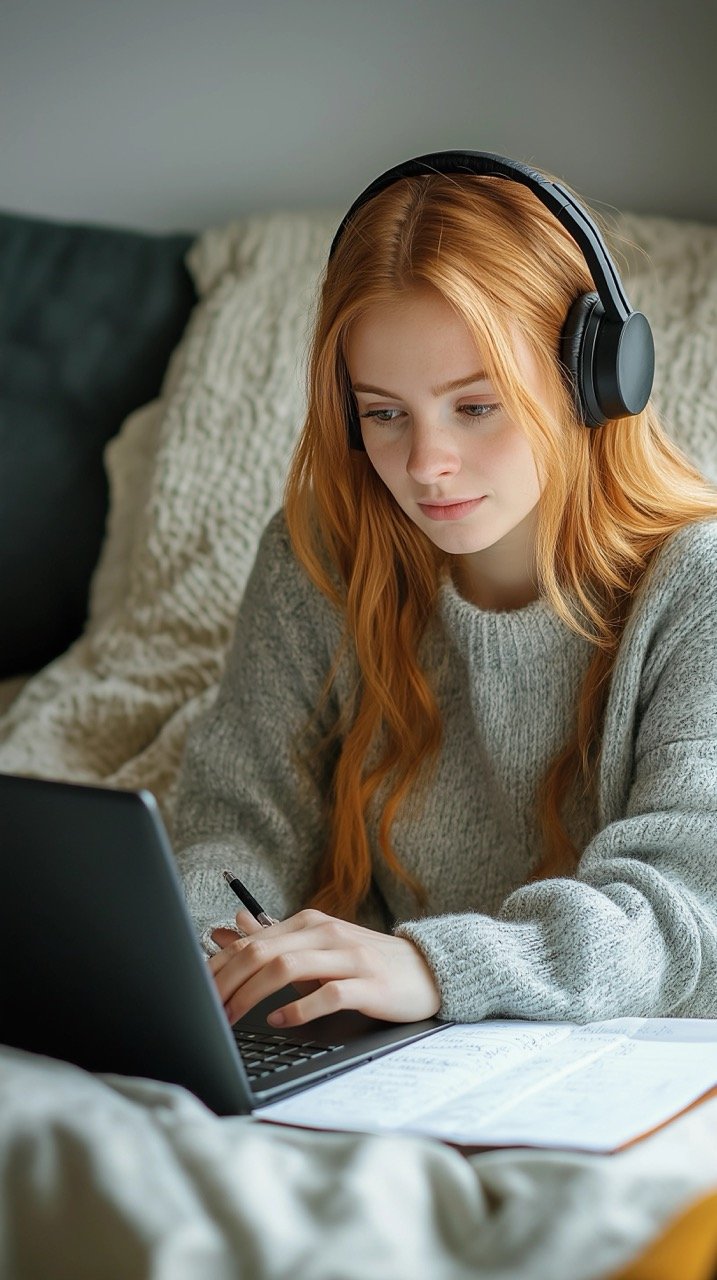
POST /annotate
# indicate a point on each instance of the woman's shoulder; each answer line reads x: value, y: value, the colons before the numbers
x: 275, y: 561
x: 698, y: 539
x: 275, y: 536
x: 278, y: 573
x: 676, y: 602
x: 686, y: 565
x: 275, y: 550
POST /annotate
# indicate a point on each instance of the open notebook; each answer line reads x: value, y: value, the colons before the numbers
x: 594, y: 1087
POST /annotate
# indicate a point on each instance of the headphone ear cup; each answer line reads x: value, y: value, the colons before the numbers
x: 577, y: 345
x: 610, y: 363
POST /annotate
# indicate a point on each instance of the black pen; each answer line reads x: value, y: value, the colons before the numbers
x: 248, y: 899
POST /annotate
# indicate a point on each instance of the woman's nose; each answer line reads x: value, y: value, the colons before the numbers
x: 431, y: 455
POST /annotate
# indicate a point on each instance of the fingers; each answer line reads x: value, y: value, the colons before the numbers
x: 276, y: 950
x: 223, y: 937
x: 299, y: 931
x: 247, y: 923
x: 333, y: 963
x: 286, y: 969
x: 330, y: 997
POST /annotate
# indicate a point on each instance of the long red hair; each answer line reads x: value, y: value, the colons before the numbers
x: 611, y: 498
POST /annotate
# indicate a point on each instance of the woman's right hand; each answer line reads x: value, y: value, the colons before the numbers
x: 247, y: 925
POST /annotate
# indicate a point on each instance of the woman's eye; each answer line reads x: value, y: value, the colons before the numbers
x: 483, y: 410
x: 470, y: 411
x: 376, y: 414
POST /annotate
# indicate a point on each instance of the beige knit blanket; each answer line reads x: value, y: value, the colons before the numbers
x: 195, y: 475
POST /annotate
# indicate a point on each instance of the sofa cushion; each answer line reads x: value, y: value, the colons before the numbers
x: 89, y: 317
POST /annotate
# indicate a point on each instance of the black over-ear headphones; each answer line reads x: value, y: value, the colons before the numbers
x: 606, y: 348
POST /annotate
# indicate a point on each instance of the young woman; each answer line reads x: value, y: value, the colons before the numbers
x: 465, y: 748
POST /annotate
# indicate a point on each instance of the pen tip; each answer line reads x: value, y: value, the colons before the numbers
x: 227, y: 876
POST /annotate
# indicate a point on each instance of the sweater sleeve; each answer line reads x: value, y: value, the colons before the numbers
x: 243, y: 801
x: 634, y: 932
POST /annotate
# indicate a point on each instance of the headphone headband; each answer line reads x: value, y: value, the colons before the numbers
x: 555, y: 197
x: 606, y: 349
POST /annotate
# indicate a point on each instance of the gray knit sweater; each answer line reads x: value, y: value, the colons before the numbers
x: 633, y: 932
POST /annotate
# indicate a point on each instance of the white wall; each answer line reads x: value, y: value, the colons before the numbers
x: 173, y: 114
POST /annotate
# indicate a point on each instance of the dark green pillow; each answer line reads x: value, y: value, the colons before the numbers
x: 89, y: 317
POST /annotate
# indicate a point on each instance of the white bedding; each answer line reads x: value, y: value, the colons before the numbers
x: 105, y: 1177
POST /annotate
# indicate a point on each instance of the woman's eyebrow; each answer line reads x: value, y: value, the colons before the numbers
x: 436, y: 391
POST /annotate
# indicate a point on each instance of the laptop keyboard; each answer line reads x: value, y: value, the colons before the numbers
x: 265, y: 1055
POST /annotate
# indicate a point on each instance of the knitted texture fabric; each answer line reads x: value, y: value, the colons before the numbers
x: 632, y: 933
x: 195, y: 476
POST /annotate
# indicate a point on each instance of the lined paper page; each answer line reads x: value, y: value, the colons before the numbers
x: 496, y: 1083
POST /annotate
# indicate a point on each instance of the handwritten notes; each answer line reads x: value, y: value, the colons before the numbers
x: 508, y: 1083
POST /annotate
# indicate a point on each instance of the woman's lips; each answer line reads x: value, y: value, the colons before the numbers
x: 452, y: 511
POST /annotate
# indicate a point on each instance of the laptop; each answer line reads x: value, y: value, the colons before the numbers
x: 102, y: 965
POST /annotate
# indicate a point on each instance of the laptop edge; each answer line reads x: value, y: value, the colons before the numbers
x: 107, y: 969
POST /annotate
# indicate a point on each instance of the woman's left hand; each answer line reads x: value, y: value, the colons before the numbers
x: 334, y: 964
